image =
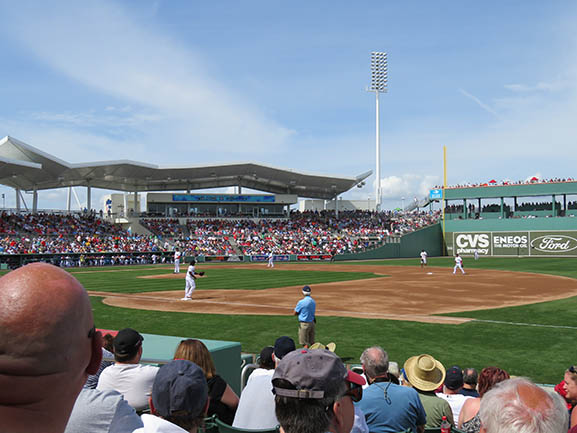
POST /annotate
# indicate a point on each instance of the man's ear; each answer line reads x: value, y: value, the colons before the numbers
x: 337, y: 418
x: 151, y: 404
x: 96, y: 355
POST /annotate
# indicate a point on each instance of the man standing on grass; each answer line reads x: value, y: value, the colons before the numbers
x: 305, y: 310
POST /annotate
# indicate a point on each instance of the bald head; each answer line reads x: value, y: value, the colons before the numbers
x: 518, y: 405
x: 47, y: 348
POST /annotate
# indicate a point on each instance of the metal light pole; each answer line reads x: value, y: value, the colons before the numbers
x: 378, y: 85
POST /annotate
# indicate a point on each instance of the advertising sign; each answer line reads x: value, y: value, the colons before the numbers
x: 522, y: 243
x: 553, y: 243
x: 314, y: 257
x: 224, y: 198
x: 276, y: 258
x: 435, y: 194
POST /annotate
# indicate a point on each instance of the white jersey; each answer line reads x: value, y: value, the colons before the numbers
x: 458, y: 261
x: 189, y: 271
x: 177, y: 255
x: 424, y: 256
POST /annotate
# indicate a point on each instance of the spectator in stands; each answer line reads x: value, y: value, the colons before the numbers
x: 223, y: 400
x: 315, y: 393
x: 179, y: 399
x: 426, y: 374
x: 468, y: 418
x: 570, y: 388
x: 102, y: 412
x: 256, y: 408
x: 470, y: 378
x: 266, y: 359
x: 388, y: 407
x: 451, y: 390
x: 518, y: 405
x: 47, y: 348
x: 127, y: 376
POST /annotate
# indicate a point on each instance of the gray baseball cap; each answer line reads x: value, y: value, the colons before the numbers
x: 313, y: 374
x: 179, y: 385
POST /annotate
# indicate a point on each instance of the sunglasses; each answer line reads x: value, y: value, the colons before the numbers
x: 355, y: 392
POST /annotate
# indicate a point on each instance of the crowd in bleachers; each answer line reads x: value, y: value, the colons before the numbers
x: 505, y: 182
x: 301, y: 233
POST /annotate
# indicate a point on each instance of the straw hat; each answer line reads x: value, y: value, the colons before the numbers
x: 330, y: 347
x: 424, y: 372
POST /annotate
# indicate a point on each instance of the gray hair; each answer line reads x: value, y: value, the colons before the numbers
x: 519, y: 406
x: 375, y: 362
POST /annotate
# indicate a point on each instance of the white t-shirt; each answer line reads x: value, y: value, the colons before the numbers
x: 133, y: 381
x: 456, y: 401
x: 256, y: 405
x: 154, y: 424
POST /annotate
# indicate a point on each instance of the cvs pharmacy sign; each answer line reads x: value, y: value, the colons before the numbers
x: 468, y: 243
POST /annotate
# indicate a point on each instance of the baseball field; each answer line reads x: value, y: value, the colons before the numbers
x: 516, y: 313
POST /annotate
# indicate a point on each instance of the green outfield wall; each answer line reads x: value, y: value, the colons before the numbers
x: 429, y: 239
x: 533, y: 237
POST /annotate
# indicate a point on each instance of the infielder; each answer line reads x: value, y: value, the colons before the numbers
x: 176, y: 261
x: 423, y: 258
x: 458, y: 264
x: 190, y: 280
x: 476, y: 255
x: 270, y: 263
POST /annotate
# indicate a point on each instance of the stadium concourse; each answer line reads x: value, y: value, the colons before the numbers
x: 301, y: 233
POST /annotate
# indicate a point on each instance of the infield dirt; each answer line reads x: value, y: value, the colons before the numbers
x: 398, y: 292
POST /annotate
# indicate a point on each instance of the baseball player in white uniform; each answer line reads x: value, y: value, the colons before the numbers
x: 476, y: 255
x: 458, y: 264
x: 270, y: 263
x: 423, y: 258
x: 177, y: 261
x: 190, y: 280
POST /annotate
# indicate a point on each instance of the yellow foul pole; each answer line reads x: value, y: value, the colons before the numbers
x: 443, y: 200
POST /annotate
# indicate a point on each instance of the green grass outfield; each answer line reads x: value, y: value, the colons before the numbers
x: 536, y: 340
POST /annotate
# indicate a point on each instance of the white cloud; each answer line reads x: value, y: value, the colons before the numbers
x: 479, y: 102
x: 100, y: 45
x: 408, y: 186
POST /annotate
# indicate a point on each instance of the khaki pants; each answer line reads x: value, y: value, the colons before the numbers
x: 306, y: 333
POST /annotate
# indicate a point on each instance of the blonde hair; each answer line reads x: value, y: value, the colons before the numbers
x: 195, y: 351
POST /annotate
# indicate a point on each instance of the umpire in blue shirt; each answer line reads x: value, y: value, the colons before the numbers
x: 305, y: 310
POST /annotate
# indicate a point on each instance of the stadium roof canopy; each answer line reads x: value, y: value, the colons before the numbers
x: 25, y: 167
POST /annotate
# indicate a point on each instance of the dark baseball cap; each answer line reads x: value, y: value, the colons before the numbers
x: 454, y: 378
x: 307, y: 290
x: 179, y: 385
x: 127, y: 341
x: 312, y: 374
x: 282, y: 346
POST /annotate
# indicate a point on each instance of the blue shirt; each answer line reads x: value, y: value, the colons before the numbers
x: 400, y: 410
x: 306, y: 308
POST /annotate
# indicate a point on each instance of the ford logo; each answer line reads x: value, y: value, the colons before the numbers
x: 554, y: 243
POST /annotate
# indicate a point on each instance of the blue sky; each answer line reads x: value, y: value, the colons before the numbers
x: 177, y: 82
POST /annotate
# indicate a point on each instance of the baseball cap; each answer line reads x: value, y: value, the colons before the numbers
x: 313, y: 374
x: 282, y: 346
x: 179, y: 385
x: 306, y: 290
x: 127, y: 341
x: 454, y: 378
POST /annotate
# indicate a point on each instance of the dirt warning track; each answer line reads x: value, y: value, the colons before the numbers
x: 397, y: 292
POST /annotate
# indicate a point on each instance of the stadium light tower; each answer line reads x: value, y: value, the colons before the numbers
x: 378, y: 85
